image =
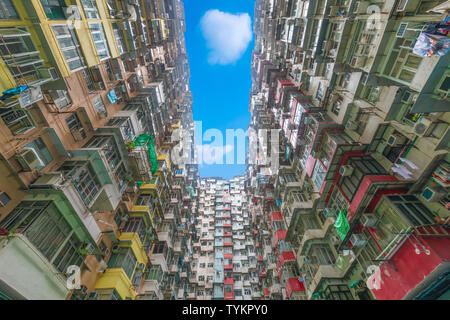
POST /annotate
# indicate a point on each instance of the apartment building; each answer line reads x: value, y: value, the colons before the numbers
x: 224, y: 261
x: 359, y: 206
x: 92, y: 93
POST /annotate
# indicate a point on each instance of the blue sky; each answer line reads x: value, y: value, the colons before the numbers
x: 221, y: 80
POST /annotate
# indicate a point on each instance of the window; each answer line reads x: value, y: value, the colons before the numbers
x: 336, y: 107
x: 371, y: 94
x: 124, y: 259
x: 84, y: 179
x: 210, y: 265
x: 200, y: 292
x: 136, y: 225
x: 413, y: 210
x: 70, y: 47
x: 402, y: 63
x: 19, y: 121
x: 4, y: 199
x: 47, y: 229
x: 99, y: 39
x: 319, y: 175
x: 338, y: 292
x: 247, y: 292
x: 75, y: 127
x: 319, y: 94
x: 17, y: 48
x: 118, y: 35
x: 7, y: 10
x: 202, y: 265
x: 210, y: 278
x: 100, y: 106
x: 90, y: 9
x: 201, y: 278
x: 54, y: 9
x: 109, y: 294
x: 323, y: 254
x: 118, y: 217
x: 58, y: 97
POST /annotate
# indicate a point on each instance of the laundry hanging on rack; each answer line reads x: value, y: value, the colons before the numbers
x: 409, y: 163
x: 13, y: 92
x: 428, y: 45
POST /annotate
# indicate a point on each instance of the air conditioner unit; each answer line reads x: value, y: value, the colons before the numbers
x: 89, y: 248
x: 48, y: 181
x: 406, y: 5
x: 433, y: 194
x: 125, y: 218
x: 141, y: 266
x: 358, y: 240
x: 356, y: 6
x: 421, y: 127
x: 351, y: 125
x: 29, y: 159
x: 401, y: 30
x: 364, y: 78
x: 394, y: 140
x: 346, y: 170
x: 83, y: 289
x: 4, y: 199
x: 369, y: 219
x: 99, y: 86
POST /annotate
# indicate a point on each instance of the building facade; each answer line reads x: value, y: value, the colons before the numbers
x: 358, y: 207
x: 92, y: 94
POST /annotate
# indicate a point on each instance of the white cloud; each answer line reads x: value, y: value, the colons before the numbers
x: 213, y: 154
x: 227, y: 35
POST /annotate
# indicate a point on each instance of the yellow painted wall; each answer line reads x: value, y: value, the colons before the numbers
x: 116, y: 278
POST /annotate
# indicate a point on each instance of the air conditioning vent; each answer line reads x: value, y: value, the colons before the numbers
x: 369, y: 220
x: 358, y: 240
x: 351, y: 125
x: 395, y: 140
x: 29, y: 159
x: 421, y: 127
x: 433, y: 194
x: 48, y: 181
x: 346, y: 170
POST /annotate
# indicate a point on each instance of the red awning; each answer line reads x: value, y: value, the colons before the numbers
x: 279, y: 235
x: 287, y: 256
x: 275, y: 216
x: 294, y: 285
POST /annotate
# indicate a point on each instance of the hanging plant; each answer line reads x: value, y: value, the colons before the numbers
x: 130, y: 146
x: 83, y: 252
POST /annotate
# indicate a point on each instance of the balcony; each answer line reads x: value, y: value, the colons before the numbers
x: 417, y: 258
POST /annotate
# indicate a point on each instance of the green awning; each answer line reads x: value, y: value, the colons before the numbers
x: 341, y: 224
x: 147, y: 140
